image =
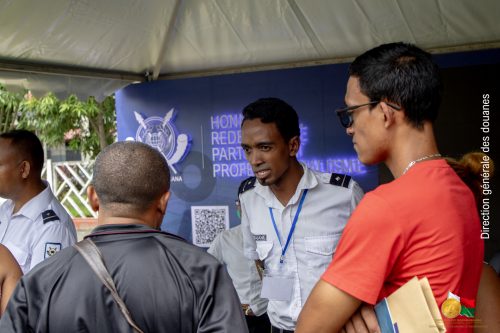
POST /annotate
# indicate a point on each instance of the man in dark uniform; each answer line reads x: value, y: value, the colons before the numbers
x: 167, y: 284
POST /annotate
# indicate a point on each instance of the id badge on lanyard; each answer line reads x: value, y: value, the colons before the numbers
x: 277, y: 284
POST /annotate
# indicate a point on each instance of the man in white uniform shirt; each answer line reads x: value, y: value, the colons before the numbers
x: 227, y: 247
x: 292, y: 217
x: 33, y: 224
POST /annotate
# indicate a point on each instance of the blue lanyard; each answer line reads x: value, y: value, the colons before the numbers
x: 299, y: 208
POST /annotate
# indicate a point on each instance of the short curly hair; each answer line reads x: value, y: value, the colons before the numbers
x: 130, y: 173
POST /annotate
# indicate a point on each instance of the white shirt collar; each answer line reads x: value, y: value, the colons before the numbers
x: 36, y: 205
x: 307, y: 181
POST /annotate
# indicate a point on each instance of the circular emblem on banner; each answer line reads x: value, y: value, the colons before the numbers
x: 158, y: 135
x: 161, y: 134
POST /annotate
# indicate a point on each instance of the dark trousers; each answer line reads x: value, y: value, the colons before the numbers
x: 258, y: 324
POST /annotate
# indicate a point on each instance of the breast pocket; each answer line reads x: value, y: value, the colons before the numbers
x: 264, y: 249
x: 320, y: 250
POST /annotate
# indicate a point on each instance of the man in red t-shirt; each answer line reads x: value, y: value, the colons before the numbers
x: 425, y: 223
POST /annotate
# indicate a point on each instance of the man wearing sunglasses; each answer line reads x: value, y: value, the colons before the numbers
x: 424, y: 223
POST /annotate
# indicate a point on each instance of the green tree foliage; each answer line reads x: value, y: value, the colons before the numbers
x: 9, y: 104
x: 86, y: 126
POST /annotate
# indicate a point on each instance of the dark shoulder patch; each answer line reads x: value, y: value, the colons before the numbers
x: 246, y: 185
x: 340, y: 179
x: 49, y: 215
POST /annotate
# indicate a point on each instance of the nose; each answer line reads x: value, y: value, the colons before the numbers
x: 349, y: 130
x: 254, y: 158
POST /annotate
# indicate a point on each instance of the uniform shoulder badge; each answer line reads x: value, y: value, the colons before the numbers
x: 340, y: 180
x: 51, y: 249
x: 246, y: 185
x: 49, y: 215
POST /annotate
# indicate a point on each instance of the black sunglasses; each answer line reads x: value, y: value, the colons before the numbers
x: 345, y: 114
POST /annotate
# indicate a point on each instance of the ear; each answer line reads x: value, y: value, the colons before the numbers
x: 25, y: 168
x: 294, y: 146
x: 389, y: 114
x: 162, y: 203
x: 93, y: 198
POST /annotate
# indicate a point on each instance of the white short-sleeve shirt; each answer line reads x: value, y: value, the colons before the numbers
x: 41, y: 228
x: 227, y: 247
x: 329, y: 202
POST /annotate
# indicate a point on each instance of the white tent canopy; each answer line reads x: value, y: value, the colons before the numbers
x: 96, y: 47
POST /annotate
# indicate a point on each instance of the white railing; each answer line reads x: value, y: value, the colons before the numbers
x: 69, y: 181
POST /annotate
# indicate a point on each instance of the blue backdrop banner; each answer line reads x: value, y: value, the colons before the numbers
x: 195, y: 123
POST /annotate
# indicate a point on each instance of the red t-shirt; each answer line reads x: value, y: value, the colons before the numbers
x: 425, y: 223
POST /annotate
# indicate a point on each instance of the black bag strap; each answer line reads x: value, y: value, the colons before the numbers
x: 90, y: 252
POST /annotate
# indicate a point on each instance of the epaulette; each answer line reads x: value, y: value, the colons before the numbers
x: 49, y: 215
x: 246, y: 185
x: 340, y: 180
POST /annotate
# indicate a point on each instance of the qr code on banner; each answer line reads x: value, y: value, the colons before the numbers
x: 207, y: 222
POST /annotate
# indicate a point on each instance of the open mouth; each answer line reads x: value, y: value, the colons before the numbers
x: 262, y: 173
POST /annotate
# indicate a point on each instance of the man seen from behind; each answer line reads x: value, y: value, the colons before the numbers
x: 167, y: 284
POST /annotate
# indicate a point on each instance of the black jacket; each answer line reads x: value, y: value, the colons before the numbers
x: 167, y: 284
